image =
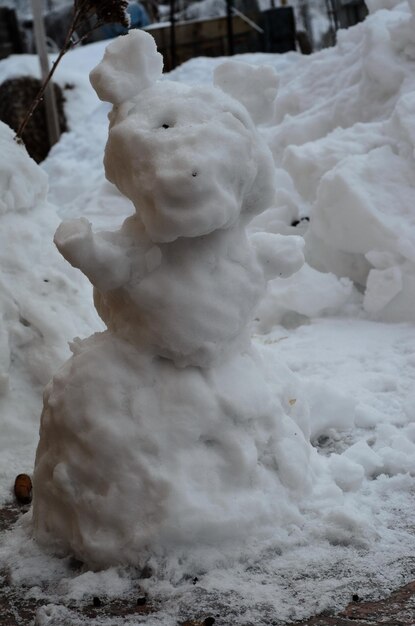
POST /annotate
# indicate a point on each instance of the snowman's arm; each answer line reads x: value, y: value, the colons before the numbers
x: 280, y: 255
x: 105, y: 264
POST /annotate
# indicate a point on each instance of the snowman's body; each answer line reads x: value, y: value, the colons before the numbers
x: 180, y: 278
x: 190, y: 300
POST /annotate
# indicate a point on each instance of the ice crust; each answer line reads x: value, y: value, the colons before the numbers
x: 174, y: 389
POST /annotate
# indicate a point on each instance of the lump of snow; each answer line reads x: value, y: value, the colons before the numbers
x: 362, y: 454
x: 233, y: 77
x: 329, y: 409
x: 280, y: 256
x: 364, y: 210
x: 306, y: 294
x: 356, y: 213
x: 347, y: 474
x: 346, y: 526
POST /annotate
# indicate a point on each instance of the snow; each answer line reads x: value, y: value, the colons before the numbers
x: 232, y: 77
x: 119, y: 76
x: 325, y: 394
x: 37, y: 289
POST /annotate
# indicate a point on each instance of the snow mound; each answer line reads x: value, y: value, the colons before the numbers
x: 37, y: 292
x: 350, y: 153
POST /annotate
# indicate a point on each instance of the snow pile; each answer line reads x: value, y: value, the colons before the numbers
x: 36, y: 288
x: 348, y: 144
x: 199, y: 453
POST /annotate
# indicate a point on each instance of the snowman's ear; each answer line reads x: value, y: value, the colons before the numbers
x: 130, y: 64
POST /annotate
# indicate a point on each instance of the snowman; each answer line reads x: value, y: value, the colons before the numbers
x: 167, y: 428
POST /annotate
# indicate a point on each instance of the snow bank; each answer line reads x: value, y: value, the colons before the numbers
x: 38, y: 291
x: 348, y: 144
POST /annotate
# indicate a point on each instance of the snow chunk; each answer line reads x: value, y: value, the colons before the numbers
x: 362, y: 454
x: 347, y: 474
x: 364, y: 210
x: 381, y: 287
x: 255, y: 87
x: 357, y: 214
x: 279, y: 255
x: 306, y: 294
x: 349, y: 527
x: 329, y: 409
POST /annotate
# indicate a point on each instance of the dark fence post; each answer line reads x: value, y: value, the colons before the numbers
x: 229, y: 22
x: 173, y: 56
x: 10, y: 37
x: 279, y: 29
x: 333, y: 14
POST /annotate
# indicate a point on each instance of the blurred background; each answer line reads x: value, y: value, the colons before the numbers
x: 201, y: 27
x: 182, y: 29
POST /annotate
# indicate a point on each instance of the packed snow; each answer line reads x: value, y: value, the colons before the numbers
x: 265, y: 478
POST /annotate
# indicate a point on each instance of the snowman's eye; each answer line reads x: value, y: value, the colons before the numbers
x: 166, y: 126
x: 194, y: 173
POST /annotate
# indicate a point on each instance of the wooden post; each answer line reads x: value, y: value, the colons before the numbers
x: 229, y: 21
x: 52, y: 119
x: 173, y: 56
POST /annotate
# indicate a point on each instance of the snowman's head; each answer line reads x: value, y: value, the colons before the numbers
x: 189, y: 158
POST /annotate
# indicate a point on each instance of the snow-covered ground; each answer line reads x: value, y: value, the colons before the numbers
x: 343, y: 141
